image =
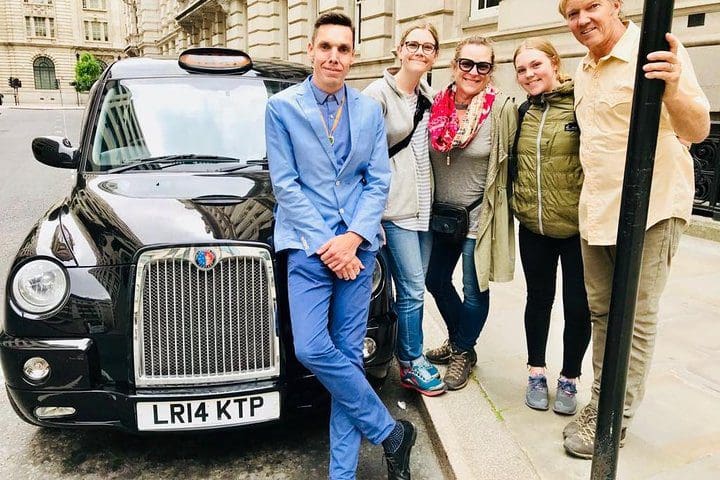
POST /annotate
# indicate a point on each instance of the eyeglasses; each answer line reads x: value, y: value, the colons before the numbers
x: 466, y: 65
x: 427, y: 48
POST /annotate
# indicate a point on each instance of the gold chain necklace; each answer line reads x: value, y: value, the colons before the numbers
x: 338, y: 114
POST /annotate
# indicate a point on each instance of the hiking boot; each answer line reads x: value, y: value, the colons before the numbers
x: 458, y: 371
x: 536, y: 393
x: 440, y: 355
x: 581, y: 444
x: 565, y: 401
x: 422, y: 376
x: 398, y: 462
x: 587, y: 413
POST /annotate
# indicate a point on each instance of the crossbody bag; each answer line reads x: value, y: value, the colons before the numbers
x: 452, y: 221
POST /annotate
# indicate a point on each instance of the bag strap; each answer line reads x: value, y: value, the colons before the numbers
x: 513, y: 154
x: 475, y: 203
x: 422, y: 105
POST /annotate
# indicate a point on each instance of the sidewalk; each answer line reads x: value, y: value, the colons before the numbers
x: 487, y: 432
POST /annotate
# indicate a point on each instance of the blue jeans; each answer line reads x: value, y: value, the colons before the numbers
x: 464, y: 318
x: 329, y: 321
x: 408, y: 254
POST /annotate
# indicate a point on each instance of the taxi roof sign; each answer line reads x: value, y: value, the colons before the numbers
x: 215, y: 60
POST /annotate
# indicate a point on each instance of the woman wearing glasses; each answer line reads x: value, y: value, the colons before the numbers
x: 405, y: 99
x: 546, y: 192
x: 472, y: 128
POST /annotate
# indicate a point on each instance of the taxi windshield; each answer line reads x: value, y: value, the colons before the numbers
x: 201, y: 115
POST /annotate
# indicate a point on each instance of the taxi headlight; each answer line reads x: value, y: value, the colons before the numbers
x: 39, y: 286
x: 377, y: 277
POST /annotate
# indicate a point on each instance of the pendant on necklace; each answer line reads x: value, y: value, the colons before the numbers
x: 331, y: 139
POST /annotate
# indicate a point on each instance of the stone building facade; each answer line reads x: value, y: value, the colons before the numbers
x: 281, y: 29
x: 41, y: 40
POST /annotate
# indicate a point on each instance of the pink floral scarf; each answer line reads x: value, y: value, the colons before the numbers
x: 445, y: 130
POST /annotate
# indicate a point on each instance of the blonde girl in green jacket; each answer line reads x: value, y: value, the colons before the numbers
x: 546, y: 190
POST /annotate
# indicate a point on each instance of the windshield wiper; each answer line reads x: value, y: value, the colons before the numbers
x: 171, y: 160
x: 252, y: 162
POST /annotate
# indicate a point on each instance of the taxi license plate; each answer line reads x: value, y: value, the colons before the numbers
x: 215, y: 412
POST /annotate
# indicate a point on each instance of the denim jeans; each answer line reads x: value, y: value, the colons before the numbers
x: 408, y: 254
x: 464, y: 318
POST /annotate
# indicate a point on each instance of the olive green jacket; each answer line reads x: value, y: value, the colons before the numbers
x: 495, y: 244
x: 546, y: 190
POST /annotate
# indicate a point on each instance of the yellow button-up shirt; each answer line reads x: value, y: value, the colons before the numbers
x: 603, y: 101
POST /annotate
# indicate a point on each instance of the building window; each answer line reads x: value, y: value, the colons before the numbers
x: 94, y: 5
x: 96, y: 31
x: 358, y: 22
x: 40, y: 30
x: 44, y: 72
x: 484, y: 8
x: 40, y: 27
x: 39, y: 2
x: 696, y: 20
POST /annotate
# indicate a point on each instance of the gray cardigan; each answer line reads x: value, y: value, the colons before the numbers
x: 403, y: 197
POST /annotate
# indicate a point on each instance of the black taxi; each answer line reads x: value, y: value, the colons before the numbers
x: 150, y: 299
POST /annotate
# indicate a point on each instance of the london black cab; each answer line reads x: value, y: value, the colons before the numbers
x: 151, y: 299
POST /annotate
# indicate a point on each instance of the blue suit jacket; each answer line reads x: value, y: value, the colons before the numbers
x: 313, y: 194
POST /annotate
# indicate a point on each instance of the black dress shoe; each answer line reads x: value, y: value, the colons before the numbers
x: 398, y: 463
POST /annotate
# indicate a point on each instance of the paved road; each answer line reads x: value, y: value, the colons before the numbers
x: 293, y: 450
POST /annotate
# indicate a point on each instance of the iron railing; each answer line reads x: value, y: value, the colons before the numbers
x: 706, y: 157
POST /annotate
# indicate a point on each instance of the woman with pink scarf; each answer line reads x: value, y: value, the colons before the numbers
x: 472, y: 127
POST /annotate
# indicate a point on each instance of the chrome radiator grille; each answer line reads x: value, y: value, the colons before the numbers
x: 204, y: 321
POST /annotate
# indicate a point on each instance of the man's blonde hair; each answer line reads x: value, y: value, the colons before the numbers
x: 562, y: 5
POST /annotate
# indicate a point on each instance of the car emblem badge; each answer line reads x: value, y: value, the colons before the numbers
x: 205, y: 259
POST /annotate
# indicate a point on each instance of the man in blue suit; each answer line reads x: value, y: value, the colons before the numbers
x: 329, y: 167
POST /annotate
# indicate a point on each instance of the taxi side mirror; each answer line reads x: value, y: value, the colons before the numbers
x: 56, y: 152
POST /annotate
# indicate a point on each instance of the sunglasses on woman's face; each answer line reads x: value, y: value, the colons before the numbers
x: 466, y: 65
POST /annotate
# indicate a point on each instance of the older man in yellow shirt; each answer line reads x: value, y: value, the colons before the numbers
x: 604, y: 83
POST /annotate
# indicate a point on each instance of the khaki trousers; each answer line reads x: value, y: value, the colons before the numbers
x: 661, y: 243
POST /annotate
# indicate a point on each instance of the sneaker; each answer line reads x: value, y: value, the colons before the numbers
x: 458, y: 372
x: 398, y: 462
x: 581, y: 444
x: 416, y: 376
x: 536, y: 393
x: 565, y: 401
x: 587, y: 413
x: 432, y: 369
x: 440, y: 355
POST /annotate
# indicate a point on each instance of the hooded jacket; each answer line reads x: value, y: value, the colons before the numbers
x: 402, y: 200
x: 549, y: 178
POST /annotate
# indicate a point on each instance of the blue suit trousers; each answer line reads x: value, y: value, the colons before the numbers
x: 329, y: 321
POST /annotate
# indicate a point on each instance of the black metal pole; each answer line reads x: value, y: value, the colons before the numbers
x: 642, y: 140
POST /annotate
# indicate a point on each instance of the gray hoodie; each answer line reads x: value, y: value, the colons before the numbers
x: 402, y: 200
